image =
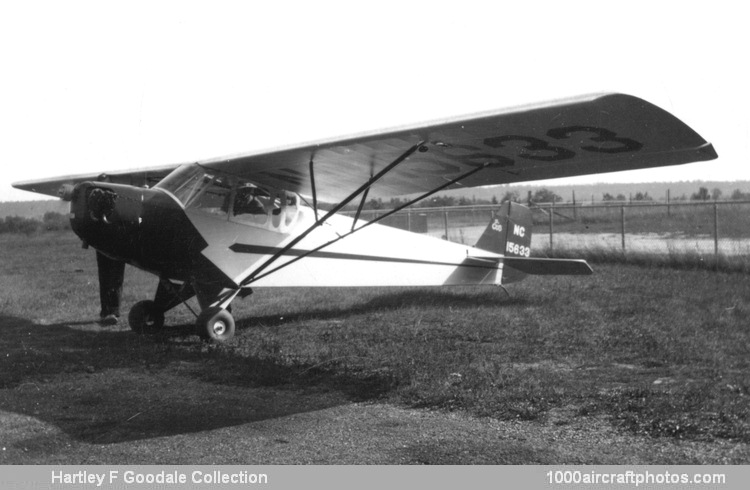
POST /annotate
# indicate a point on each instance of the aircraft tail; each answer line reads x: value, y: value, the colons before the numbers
x: 509, y: 234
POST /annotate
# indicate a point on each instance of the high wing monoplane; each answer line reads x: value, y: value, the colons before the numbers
x: 215, y: 229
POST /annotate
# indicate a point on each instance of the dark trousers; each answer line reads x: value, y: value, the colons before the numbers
x: 111, y: 274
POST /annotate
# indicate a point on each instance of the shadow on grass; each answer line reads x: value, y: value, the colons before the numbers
x: 458, y: 298
x: 420, y: 298
x: 409, y: 298
x: 100, y: 385
x: 108, y: 386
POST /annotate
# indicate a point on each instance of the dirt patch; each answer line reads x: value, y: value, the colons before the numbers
x: 365, y: 433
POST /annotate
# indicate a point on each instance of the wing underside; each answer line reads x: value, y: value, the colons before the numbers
x: 586, y: 135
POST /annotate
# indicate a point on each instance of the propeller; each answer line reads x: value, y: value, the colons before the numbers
x: 101, y: 204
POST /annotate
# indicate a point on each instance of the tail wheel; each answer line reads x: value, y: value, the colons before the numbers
x: 215, y: 324
x: 146, y: 318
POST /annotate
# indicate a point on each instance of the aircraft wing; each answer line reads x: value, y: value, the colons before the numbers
x: 585, y: 135
x: 140, y: 177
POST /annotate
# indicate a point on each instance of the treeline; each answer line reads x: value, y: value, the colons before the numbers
x: 703, y: 194
x: 545, y: 196
x: 51, y: 221
x: 542, y: 195
x: 435, y: 202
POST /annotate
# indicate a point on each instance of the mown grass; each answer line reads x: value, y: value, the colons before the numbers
x: 679, y: 259
x: 649, y: 360
x: 661, y: 352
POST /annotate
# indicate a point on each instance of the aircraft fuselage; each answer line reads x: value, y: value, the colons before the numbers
x: 143, y: 227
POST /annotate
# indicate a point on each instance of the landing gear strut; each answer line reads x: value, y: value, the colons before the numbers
x: 215, y: 322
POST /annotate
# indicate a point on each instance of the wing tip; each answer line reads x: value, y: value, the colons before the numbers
x: 707, y: 151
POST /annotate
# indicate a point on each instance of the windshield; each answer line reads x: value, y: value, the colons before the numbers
x: 228, y: 196
x: 185, y: 182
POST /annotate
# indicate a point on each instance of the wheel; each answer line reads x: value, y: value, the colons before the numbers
x: 146, y: 318
x: 215, y: 324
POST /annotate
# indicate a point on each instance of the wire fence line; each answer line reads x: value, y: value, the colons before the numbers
x: 703, y: 228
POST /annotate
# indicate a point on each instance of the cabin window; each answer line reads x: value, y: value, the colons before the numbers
x: 232, y: 198
x: 252, y: 204
x: 214, y: 197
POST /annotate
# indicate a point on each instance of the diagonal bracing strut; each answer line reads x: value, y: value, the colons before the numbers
x: 363, y: 188
x: 256, y: 277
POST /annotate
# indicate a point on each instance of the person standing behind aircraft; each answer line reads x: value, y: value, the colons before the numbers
x: 111, y: 274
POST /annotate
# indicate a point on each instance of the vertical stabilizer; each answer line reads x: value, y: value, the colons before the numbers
x: 509, y: 234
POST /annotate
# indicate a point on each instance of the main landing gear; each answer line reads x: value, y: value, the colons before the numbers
x: 214, y: 324
x: 146, y: 318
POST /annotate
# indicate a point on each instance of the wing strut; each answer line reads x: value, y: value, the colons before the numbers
x: 363, y: 188
x: 425, y: 195
x: 256, y: 277
x: 314, y: 191
x: 361, y: 205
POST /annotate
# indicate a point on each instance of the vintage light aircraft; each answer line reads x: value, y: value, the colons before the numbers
x: 214, y: 229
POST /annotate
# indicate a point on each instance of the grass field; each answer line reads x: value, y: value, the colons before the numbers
x: 632, y: 364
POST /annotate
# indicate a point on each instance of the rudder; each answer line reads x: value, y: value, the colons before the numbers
x: 509, y: 234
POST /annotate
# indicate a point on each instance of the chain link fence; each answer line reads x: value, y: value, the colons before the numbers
x: 704, y: 228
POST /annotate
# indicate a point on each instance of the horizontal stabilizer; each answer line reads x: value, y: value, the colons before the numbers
x: 539, y: 266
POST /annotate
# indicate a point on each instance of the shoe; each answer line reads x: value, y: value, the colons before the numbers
x: 109, y: 320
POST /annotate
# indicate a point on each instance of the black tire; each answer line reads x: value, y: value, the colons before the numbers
x: 215, y: 324
x: 146, y: 318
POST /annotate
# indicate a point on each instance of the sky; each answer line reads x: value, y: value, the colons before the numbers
x: 102, y: 86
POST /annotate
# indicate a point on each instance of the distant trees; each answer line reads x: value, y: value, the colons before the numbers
x: 374, y: 204
x: 17, y: 224
x: 614, y: 195
x: 545, y: 195
x: 701, y: 195
x: 28, y: 226
x: 440, y: 201
x: 704, y: 195
x: 738, y: 195
x: 513, y: 196
x: 55, y: 221
x: 609, y: 197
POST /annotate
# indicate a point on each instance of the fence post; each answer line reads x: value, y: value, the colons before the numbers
x: 445, y: 220
x: 622, y: 226
x: 551, y: 226
x: 408, y: 219
x: 716, y: 230
x: 669, y: 204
